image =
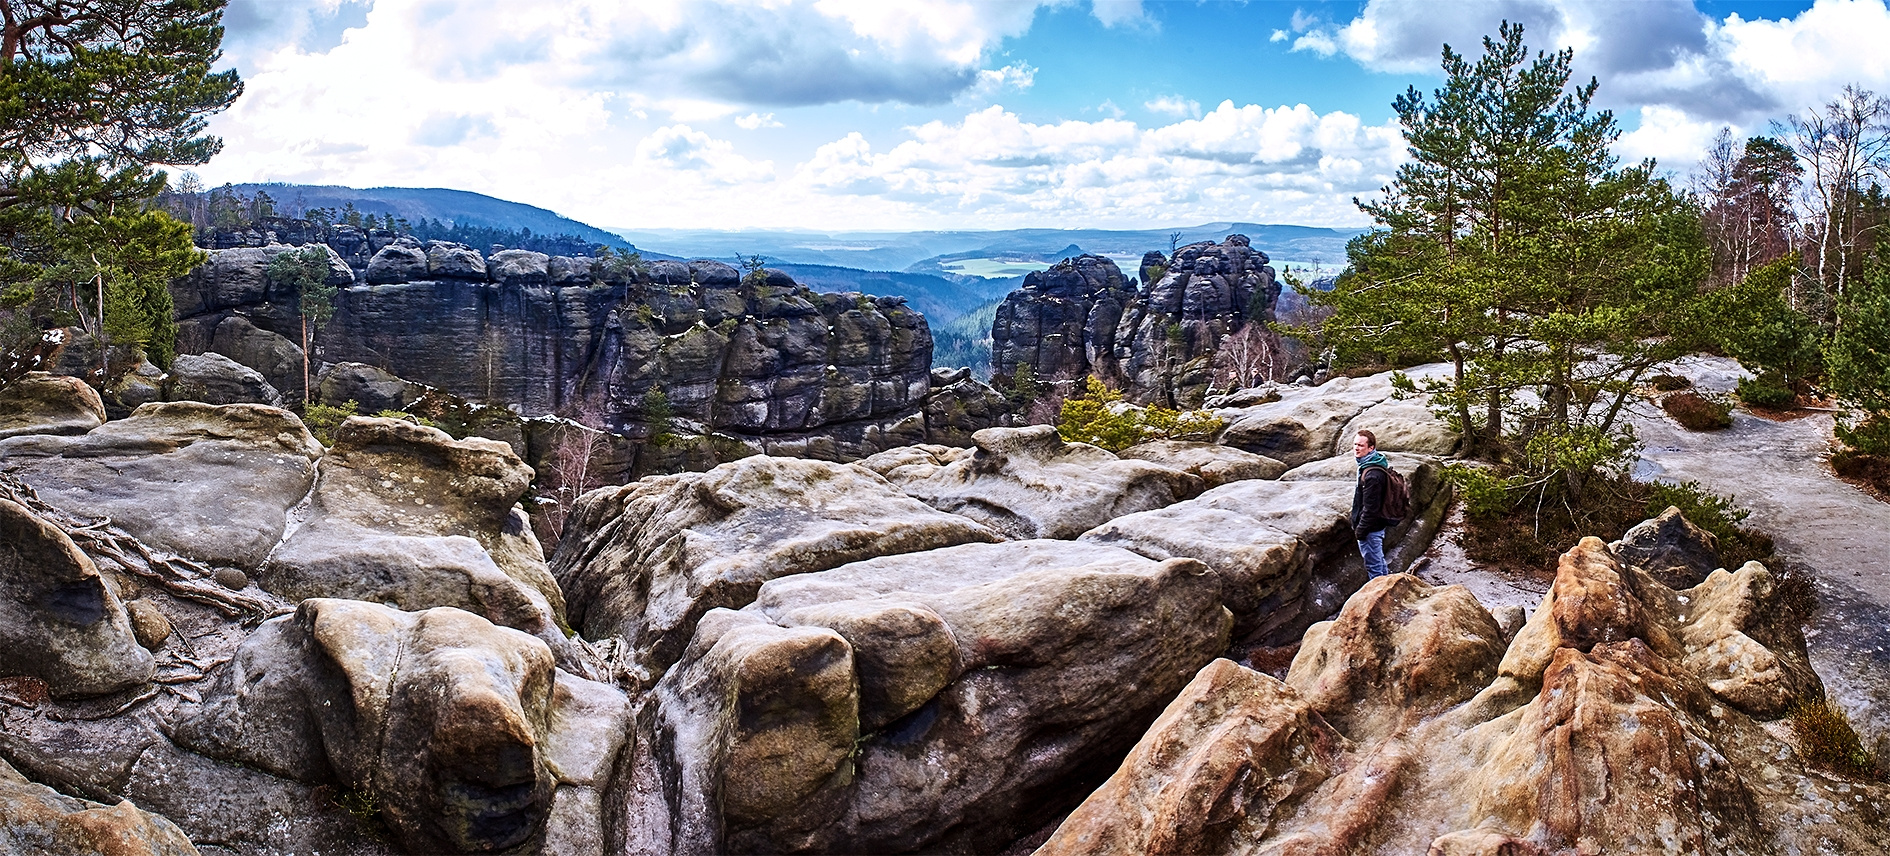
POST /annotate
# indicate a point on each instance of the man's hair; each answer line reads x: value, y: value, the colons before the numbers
x: 1369, y: 437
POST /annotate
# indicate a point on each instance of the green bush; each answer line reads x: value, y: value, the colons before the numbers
x: 1766, y: 390
x: 1697, y: 412
x: 407, y: 417
x: 322, y: 419
x: 1099, y: 417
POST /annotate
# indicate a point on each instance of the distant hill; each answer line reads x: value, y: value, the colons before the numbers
x: 942, y: 299
x: 912, y: 250
x: 461, y: 207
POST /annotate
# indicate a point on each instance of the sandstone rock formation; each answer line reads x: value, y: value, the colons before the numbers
x: 440, y: 715
x: 1062, y: 322
x: 403, y: 514
x: 944, y: 700
x: 1671, y: 548
x: 647, y: 560
x: 1028, y: 483
x: 42, y: 403
x: 213, y: 483
x: 1309, y: 423
x: 1410, y: 724
x: 213, y: 378
x: 1214, y: 463
x: 60, y: 621
x: 40, y: 820
x: 1186, y: 307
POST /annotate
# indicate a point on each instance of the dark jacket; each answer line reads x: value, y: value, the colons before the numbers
x: 1367, y: 498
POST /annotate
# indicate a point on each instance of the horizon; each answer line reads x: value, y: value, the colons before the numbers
x: 958, y: 115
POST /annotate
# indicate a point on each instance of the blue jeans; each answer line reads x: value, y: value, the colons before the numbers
x: 1372, y: 547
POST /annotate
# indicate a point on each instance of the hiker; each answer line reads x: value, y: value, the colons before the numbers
x: 1368, y: 501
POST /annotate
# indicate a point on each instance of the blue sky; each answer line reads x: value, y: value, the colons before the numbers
x: 954, y: 114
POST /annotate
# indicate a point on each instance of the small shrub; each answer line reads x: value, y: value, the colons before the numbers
x: 1669, y: 382
x: 1766, y: 390
x: 1826, y: 740
x: 1099, y: 417
x: 1697, y: 412
x: 322, y: 419
x: 407, y: 417
x: 1872, y: 470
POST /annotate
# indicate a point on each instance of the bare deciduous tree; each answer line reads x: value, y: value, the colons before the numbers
x: 1248, y: 357
x: 1843, y: 146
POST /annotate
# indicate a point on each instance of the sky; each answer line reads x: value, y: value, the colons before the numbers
x: 833, y: 115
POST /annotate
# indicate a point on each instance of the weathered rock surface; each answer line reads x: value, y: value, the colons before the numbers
x: 647, y: 560
x: 961, y: 406
x: 213, y: 378
x: 404, y: 514
x: 1670, y: 548
x: 372, y: 390
x: 60, y: 621
x: 275, y: 357
x: 1028, y: 483
x: 946, y: 700
x: 1406, y: 726
x: 232, y: 282
x: 1190, y: 303
x: 1306, y: 423
x: 1284, y: 548
x: 42, y: 403
x: 440, y: 715
x: 40, y: 820
x: 1062, y: 321
x: 212, y: 483
x: 1214, y: 463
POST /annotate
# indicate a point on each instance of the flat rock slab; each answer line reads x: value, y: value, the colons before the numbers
x: 208, y: 482
x: 1028, y: 483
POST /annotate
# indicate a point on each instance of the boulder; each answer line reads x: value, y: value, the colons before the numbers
x: 645, y: 561
x: 1234, y: 751
x: 372, y: 390
x: 1401, y: 425
x: 521, y: 268
x: 40, y: 820
x: 1214, y: 463
x: 395, y: 264
x: 138, y: 387
x: 276, y: 358
x: 214, y: 483
x: 1028, y: 483
x: 1671, y: 548
x: 1602, y: 728
x: 216, y: 379
x: 440, y: 716
x: 949, y: 700
x: 447, y: 260
x: 60, y: 621
x: 1306, y: 423
x: 961, y: 407
x: 42, y: 403
x: 404, y: 514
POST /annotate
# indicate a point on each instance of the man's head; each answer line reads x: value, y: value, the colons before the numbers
x: 1364, y: 444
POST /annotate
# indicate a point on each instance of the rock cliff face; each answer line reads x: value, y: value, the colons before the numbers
x: 1080, y: 317
x: 763, y: 360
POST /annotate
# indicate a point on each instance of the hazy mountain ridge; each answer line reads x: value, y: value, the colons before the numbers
x: 414, y: 203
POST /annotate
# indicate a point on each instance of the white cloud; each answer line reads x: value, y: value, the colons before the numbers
x: 1284, y: 164
x: 680, y: 147
x: 1116, y: 13
x: 1669, y: 136
x: 753, y: 121
x: 1016, y: 77
x: 1317, y: 41
x: 1279, y: 36
x: 1174, y: 105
